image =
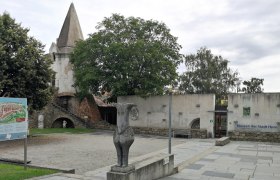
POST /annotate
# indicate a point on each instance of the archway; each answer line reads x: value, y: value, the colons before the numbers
x: 58, y: 123
x: 195, y: 124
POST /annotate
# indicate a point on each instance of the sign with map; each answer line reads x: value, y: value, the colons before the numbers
x: 13, y: 118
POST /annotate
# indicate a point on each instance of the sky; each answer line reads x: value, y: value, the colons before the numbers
x: 245, y: 32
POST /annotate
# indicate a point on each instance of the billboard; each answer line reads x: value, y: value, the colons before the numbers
x: 13, y: 118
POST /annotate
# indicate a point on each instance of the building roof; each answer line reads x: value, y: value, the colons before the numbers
x: 100, y: 103
x: 71, y: 30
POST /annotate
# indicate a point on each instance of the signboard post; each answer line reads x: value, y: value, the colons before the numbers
x: 14, y: 121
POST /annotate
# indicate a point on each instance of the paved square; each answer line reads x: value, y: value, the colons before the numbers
x: 195, y: 158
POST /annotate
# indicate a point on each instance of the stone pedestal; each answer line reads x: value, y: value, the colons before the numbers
x: 148, y: 168
x: 121, y: 173
x: 126, y: 169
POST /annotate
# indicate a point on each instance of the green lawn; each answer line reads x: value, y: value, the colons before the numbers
x: 16, y: 172
x: 35, y: 131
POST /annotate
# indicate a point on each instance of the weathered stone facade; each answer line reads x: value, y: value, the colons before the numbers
x: 255, y: 136
x: 65, y: 107
x: 187, y: 111
x: 81, y: 114
x: 60, y: 53
x: 256, y: 112
x: 195, y: 133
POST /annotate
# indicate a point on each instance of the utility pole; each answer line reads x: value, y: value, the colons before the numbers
x: 169, y: 126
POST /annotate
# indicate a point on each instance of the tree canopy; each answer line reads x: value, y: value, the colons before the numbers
x: 253, y: 86
x: 126, y: 56
x: 207, y: 73
x: 24, y: 69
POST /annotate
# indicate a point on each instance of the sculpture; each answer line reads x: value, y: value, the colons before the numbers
x: 123, y: 135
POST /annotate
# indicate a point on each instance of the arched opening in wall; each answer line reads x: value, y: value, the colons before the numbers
x: 63, y: 123
x: 195, y: 124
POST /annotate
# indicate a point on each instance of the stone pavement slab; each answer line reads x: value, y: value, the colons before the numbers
x: 200, y: 159
x: 237, y: 160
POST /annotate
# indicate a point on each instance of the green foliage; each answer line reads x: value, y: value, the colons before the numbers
x: 207, y: 73
x: 24, y: 69
x: 16, y: 172
x: 126, y: 56
x: 35, y: 131
x: 253, y: 86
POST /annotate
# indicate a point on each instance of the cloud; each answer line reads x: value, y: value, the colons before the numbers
x: 267, y: 68
x: 244, y: 32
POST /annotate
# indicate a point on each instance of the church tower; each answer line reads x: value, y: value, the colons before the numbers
x: 60, y: 52
x: 66, y: 110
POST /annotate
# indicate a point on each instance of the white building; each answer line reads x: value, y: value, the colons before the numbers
x: 254, y: 112
x: 194, y: 111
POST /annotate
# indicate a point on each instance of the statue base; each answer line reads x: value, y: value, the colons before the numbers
x: 120, y: 169
x: 154, y: 167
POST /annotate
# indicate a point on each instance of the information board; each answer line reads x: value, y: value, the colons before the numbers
x: 13, y: 118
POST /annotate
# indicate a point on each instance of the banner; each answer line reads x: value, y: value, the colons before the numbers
x: 13, y: 118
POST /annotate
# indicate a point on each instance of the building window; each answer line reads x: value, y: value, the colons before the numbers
x: 196, y: 124
x: 246, y: 111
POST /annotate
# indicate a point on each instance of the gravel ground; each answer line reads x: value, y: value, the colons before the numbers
x: 82, y: 152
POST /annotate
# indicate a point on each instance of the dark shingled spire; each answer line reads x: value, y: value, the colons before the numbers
x: 71, y: 30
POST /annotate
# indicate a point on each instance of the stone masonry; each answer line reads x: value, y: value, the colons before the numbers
x: 255, y: 136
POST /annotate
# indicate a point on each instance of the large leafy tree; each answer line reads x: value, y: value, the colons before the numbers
x: 253, y: 86
x: 207, y: 73
x: 126, y: 56
x: 24, y: 69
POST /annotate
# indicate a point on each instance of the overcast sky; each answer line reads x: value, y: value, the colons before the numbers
x: 246, y: 32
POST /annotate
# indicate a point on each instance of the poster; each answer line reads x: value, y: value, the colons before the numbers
x: 13, y: 118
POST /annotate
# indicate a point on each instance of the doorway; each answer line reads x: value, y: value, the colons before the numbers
x: 220, y: 127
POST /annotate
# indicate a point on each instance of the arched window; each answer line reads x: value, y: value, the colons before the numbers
x: 195, y: 124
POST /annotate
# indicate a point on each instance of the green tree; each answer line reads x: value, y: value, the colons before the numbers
x: 207, y: 73
x: 126, y: 56
x: 24, y: 69
x: 253, y: 86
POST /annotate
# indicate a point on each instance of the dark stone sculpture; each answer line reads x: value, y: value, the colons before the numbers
x: 123, y: 135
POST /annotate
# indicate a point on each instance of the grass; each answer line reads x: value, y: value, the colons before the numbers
x: 16, y: 172
x: 35, y: 131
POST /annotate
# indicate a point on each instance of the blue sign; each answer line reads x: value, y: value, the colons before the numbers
x: 13, y: 118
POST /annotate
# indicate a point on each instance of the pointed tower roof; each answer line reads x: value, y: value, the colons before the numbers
x: 71, y: 30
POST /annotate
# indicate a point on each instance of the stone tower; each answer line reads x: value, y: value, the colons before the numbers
x: 60, y: 52
x: 65, y: 107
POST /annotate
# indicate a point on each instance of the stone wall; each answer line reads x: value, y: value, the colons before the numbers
x: 82, y: 114
x: 254, y: 136
x: 199, y: 133
x: 153, y: 111
x: 258, y: 112
x: 86, y: 108
x: 195, y: 133
x: 103, y: 125
x: 32, y: 121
